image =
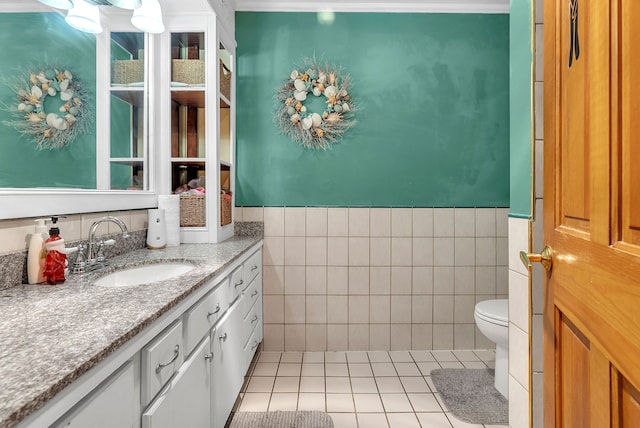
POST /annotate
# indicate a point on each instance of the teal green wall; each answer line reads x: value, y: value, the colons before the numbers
x: 520, y: 111
x: 32, y: 40
x: 433, y: 119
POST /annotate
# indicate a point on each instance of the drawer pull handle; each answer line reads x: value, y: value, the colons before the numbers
x: 254, y: 268
x: 239, y: 282
x: 214, y: 312
x: 176, y: 353
x: 255, y: 293
x: 255, y: 344
x: 208, y: 356
x: 255, y: 318
x: 223, y: 337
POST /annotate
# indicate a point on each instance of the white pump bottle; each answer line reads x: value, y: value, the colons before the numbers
x: 36, y: 255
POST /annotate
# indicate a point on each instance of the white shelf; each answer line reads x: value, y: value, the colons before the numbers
x: 130, y: 159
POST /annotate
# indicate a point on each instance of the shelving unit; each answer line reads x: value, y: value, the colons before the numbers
x: 195, y: 129
x: 167, y: 120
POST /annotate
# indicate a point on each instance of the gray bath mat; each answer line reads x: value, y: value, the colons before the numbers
x: 471, y: 396
x: 280, y: 419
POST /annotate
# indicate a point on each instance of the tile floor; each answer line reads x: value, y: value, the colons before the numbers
x: 359, y: 389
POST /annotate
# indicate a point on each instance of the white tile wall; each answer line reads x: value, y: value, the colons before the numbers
x: 519, y: 305
x: 15, y: 233
x: 518, y: 405
x: 379, y: 278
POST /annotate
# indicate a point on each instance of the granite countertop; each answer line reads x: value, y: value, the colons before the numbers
x: 52, y: 334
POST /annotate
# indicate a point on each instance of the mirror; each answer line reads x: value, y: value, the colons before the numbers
x: 76, y: 143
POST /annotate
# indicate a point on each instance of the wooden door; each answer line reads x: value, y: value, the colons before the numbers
x: 592, y: 213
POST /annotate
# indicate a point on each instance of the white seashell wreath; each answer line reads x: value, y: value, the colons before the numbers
x: 53, y: 129
x: 315, y: 130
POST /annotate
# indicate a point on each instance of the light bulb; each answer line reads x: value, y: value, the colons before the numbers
x: 148, y: 17
x: 84, y: 17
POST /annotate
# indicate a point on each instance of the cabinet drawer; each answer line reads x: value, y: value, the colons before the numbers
x: 253, y: 319
x: 252, y: 294
x: 160, y: 359
x: 253, y: 266
x: 251, y: 346
x: 203, y: 315
x: 236, y: 285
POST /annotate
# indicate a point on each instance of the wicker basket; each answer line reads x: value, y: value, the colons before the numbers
x: 127, y: 71
x: 225, y: 81
x: 225, y: 208
x: 192, y: 211
x: 189, y: 71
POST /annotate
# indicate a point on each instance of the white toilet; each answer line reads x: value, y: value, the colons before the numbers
x: 492, y: 319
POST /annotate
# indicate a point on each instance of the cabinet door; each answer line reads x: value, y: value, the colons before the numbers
x: 128, y: 115
x: 112, y: 404
x: 228, y: 365
x: 185, y: 402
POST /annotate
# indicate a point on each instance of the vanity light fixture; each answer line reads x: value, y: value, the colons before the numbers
x: 148, y: 17
x: 84, y: 16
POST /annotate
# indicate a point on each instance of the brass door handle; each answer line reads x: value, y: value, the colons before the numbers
x: 545, y: 258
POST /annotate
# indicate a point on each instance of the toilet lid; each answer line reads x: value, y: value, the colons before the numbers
x: 494, y: 310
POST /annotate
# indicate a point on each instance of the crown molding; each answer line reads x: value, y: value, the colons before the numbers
x: 402, y: 6
x: 16, y: 6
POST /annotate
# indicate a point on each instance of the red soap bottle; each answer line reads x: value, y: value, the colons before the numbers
x: 56, y: 259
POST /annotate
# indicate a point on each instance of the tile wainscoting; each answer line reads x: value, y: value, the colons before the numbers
x: 338, y: 279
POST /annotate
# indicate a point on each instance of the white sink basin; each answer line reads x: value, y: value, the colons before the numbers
x: 144, y: 274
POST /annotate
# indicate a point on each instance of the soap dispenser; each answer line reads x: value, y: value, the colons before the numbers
x: 56, y: 259
x: 36, y: 255
x: 55, y: 265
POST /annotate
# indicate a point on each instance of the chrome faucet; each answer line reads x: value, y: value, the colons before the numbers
x: 94, y: 256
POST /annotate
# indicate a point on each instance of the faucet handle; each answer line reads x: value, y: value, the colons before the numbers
x: 100, y: 257
x: 80, y: 263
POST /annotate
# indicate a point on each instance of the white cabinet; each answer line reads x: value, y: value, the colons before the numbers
x: 189, y: 366
x: 112, y: 404
x: 228, y: 365
x: 185, y: 401
x: 228, y: 323
x: 198, y: 130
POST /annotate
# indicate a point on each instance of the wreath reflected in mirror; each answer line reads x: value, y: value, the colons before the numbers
x: 315, y: 129
x: 52, y: 107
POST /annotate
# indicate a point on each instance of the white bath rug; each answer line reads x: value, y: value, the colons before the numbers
x: 471, y: 396
x: 280, y: 419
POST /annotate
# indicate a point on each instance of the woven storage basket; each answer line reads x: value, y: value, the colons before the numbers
x: 225, y: 81
x: 225, y: 208
x: 128, y: 71
x: 190, y: 71
x: 192, y: 211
